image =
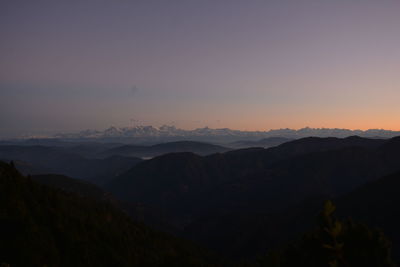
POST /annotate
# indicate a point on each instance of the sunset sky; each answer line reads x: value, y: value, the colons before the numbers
x: 251, y: 65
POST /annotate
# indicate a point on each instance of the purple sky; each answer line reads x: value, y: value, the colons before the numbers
x: 255, y: 65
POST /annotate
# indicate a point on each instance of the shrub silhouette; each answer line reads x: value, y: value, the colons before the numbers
x: 334, y: 243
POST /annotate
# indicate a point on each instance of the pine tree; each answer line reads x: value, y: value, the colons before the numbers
x: 335, y: 243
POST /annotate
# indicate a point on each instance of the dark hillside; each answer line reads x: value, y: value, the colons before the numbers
x: 41, y: 226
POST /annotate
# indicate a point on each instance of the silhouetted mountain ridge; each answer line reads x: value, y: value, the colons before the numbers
x: 42, y: 160
x: 163, y: 148
x: 265, y: 142
x: 189, y: 187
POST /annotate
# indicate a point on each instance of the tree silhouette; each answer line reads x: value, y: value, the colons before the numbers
x: 334, y: 243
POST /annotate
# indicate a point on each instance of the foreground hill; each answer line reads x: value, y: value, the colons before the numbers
x: 41, y: 226
x: 377, y: 204
x: 138, y: 211
x: 246, y: 234
x: 71, y: 185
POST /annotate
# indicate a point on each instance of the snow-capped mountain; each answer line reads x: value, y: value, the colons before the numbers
x: 172, y: 131
x: 163, y: 131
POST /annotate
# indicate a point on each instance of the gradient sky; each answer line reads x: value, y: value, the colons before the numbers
x: 254, y: 65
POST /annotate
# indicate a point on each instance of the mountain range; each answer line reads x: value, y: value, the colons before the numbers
x: 95, y: 162
x: 198, y: 148
x: 165, y: 133
x: 250, y: 178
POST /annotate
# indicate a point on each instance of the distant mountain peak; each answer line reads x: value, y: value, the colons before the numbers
x: 145, y: 131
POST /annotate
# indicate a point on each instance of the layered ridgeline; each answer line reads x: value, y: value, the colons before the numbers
x: 43, y: 226
x: 95, y: 162
x: 97, y: 150
x: 244, y: 202
x: 265, y: 142
x: 66, y: 161
x: 257, y: 179
x: 198, y: 148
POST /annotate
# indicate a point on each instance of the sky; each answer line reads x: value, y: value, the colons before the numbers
x: 249, y: 64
